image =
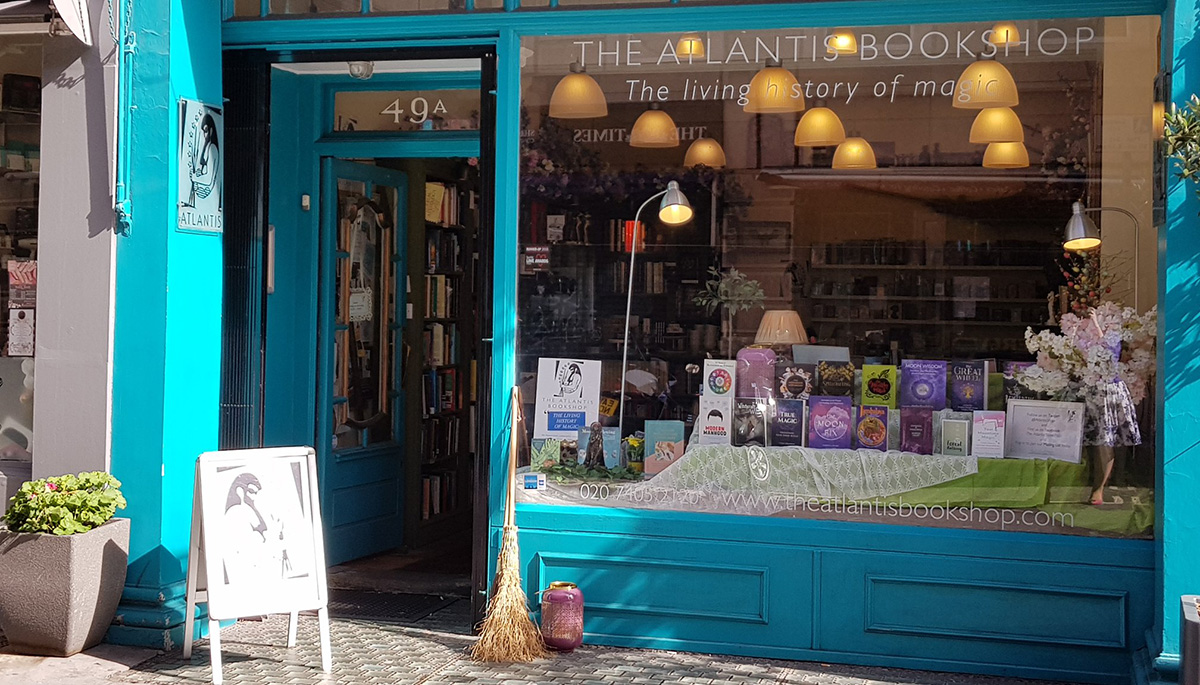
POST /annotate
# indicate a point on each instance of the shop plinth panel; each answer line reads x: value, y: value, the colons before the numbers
x: 1077, y: 621
x: 897, y: 605
x: 654, y: 589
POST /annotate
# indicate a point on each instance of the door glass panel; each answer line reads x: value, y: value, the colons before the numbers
x: 365, y: 313
x: 407, y: 110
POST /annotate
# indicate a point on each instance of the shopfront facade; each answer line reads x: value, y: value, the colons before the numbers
x: 912, y: 232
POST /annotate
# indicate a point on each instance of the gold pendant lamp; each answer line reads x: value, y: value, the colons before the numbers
x: 841, y: 42
x: 704, y: 152
x: 578, y: 96
x: 1005, y: 34
x: 854, y: 153
x: 690, y: 45
x: 986, y: 83
x: 820, y: 126
x: 654, y: 129
x: 774, y: 90
x: 1006, y: 156
x: 997, y: 125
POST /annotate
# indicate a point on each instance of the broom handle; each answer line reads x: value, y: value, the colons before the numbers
x: 510, y: 514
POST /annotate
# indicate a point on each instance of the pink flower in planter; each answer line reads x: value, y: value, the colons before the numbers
x: 51, y: 487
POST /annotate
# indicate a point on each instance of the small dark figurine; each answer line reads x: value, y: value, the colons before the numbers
x: 568, y: 454
x: 594, y: 457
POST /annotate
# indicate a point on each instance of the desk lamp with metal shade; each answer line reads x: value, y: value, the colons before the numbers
x: 674, y: 210
x: 1081, y: 234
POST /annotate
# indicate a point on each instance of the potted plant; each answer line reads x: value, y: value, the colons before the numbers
x: 63, y: 559
x: 733, y: 291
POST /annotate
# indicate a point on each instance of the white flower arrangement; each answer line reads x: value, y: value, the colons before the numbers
x: 1110, y: 342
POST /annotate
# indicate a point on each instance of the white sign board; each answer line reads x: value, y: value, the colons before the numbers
x: 201, y: 167
x: 568, y: 397
x: 1045, y: 430
x: 257, y: 544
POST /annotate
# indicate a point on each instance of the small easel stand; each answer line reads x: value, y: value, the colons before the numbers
x: 202, y: 567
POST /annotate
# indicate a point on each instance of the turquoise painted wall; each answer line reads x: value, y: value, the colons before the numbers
x: 166, y: 348
x: 1179, y: 355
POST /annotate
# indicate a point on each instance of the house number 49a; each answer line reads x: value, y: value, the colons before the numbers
x: 418, y: 110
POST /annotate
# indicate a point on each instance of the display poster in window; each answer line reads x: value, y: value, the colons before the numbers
x: 200, y: 169
x: 568, y: 397
x: 20, y: 332
x: 1040, y: 429
x: 22, y: 284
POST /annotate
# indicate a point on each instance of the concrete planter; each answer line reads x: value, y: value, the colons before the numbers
x: 59, y: 593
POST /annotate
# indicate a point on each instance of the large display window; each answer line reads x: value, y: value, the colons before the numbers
x: 902, y: 274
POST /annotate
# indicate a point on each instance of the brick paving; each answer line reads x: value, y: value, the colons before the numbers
x: 433, y: 652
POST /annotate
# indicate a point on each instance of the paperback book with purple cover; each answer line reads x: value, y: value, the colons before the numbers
x: 923, y: 383
x: 916, y: 430
x: 829, y: 422
x: 968, y: 386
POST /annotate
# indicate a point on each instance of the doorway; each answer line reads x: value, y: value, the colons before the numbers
x: 375, y: 304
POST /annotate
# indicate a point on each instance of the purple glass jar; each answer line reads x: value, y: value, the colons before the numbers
x: 562, y: 616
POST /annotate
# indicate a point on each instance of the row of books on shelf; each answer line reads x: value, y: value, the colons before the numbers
x: 648, y: 277
x: 439, y: 493
x: 441, y: 297
x: 441, y: 344
x: 440, y: 391
x: 444, y: 203
x: 445, y: 436
x: 443, y: 251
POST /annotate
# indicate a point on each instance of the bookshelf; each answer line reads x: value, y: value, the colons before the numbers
x: 446, y: 309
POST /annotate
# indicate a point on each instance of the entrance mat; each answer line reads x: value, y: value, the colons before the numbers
x: 384, y: 607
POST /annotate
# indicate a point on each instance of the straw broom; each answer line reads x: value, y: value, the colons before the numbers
x: 507, y: 633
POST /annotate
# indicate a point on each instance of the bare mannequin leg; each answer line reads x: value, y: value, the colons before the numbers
x: 1102, y: 466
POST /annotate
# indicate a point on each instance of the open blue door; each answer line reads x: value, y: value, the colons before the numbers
x: 360, y: 409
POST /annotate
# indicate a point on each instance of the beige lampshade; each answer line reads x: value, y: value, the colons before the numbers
x: 780, y: 327
x: 1006, y: 156
x: 1158, y: 120
x: 841, y: 42
x: 854, y: 153
x: 705, y: 151
x: 689, y: 45
x: 578, y: 96
x: 654, y: 129
x: 818, y: 127
x: 1005, y: 33
x: 997, y: 125
x: 986, y: 83
x: 774, y: 90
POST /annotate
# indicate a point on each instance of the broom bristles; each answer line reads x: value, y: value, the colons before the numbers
x: 507, y: 633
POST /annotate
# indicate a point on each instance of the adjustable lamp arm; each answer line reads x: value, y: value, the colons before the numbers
x: 1137, y: 235
x: 628, y: 308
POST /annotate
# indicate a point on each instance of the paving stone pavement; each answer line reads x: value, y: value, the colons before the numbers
x: 433, y: 652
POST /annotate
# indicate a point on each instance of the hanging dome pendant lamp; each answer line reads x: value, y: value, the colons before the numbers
x: 774, y: 90
x: 654, y: 129
x: 985, y: 83
x: 819, y: 127
x: 997, y: 125
x: 578, y: 96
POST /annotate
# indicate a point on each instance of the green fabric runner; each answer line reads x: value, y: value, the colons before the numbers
x: 1049, y: 485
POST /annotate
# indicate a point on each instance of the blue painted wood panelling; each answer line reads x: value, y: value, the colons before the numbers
x: 718, y: 592
x: 1023, y: 604
x: 1179, y: 355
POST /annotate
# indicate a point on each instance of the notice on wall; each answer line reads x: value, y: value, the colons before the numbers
x: 20, y: 332
x: 201, y: 167
x: 568, y: 397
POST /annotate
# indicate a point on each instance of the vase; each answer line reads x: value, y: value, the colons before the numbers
x: 562, y: 616
x: 59, y: 593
